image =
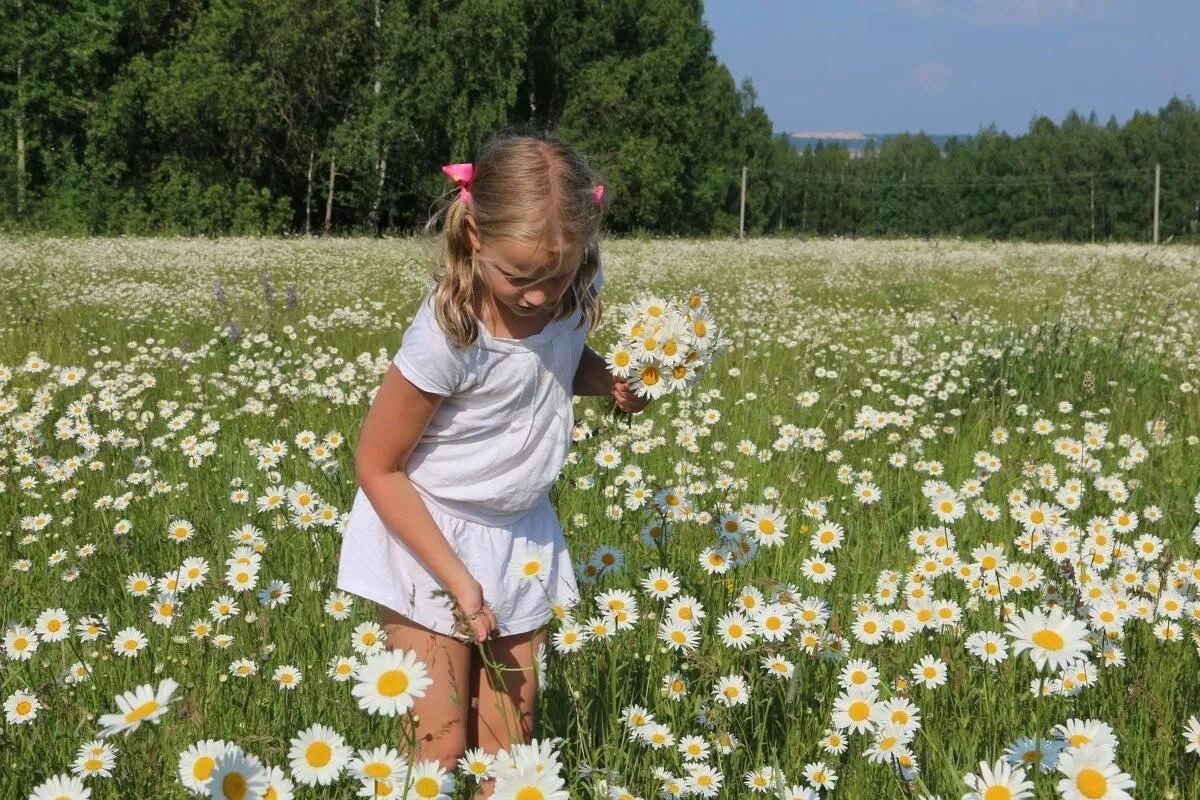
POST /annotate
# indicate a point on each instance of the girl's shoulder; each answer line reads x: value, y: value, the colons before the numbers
x: 427, y: 357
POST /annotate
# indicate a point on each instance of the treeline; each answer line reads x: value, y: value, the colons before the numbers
x: 311, y: 116
x: 214, y: 116
x: 1078, y: 181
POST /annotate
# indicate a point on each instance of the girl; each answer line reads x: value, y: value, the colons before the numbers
x: 452, y: 533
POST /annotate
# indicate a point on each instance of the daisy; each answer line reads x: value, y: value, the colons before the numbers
x: 1092, y: 775
x: 657, y: 735
x: 987, y: 646
x: 529, y: 783
x: 1191, y: 734
x: 731, y: 690
x: 930, y: 671
x: 827, y: 537
x: 673, y: 686
x: 61, y: 787
x: 1078, y: 732
x: 369, y: 638
x: 141, y: 705
x: 766, y: 524
x: 869, y: 628
x: 243, y: 668
x: 342, y: 668
x: 1030, y: 752
x: 889, y: 741
x: 531, y: 562
x: 338, y: 605
x: 704, y: 780
x: 715, y: 560
x: 901, y: 712
x: 859, y: 672
x: 1053, y: 639
x: 427, y: 780
x: 287, y: 677
x: 735, y: 630
x: 237, y: 776
x: 477, y: 763
x: 686, y: 610
x: 52, y: 625
x: 389, y: 681
x: 998, y: 781
x: 818, y: 570
x: 820, y: 776
x: 20, y: 707
x: 20, y: 643
x: 570, y: 637
x: 95, y: 759
x: 318, y: 755
x: 620, y: 360
x: 196, y: 764
x: 855, y: 710
x: 180, y: 530
x: 382, y: 763
x: 771, y: 621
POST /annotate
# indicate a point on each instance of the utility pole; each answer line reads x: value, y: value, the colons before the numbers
x: 742, y: 222
x: 1157, y: 184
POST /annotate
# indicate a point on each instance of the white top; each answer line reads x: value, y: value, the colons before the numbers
x: 497, y: 442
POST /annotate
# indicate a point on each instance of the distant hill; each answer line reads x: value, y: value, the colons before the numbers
x: 857, y: 142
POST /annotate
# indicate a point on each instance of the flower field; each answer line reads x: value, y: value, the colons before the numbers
x: 928, y: 527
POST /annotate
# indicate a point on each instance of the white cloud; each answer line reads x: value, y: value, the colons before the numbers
x: 931, y: 77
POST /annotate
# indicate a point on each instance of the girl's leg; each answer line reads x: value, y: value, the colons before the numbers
x: 504, y: 714
x: 442, y: 728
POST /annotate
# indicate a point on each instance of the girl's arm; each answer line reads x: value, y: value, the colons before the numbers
x: 393, y: 426
x: 592, y: 377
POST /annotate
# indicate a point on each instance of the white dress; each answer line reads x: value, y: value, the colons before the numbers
x: 484, y: 467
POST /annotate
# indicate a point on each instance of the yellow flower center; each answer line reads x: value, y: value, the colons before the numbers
x: 142, y: 711
x: 1048, y: 639
x: 203, y: 767
x: 1091, y: 783
x: 392, y: 683
x: 318, y: 754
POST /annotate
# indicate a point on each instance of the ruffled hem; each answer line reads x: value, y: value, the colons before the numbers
x: 376, y: 565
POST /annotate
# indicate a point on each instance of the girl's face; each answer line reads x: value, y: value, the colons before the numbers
x: 521, y: 278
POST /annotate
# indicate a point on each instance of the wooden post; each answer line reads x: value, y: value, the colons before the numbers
x: 742, y: 222
x: 20, y: 125
x: 329, y: 199
x: 1157, y: 184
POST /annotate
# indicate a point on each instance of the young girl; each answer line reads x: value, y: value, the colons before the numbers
x: 467, y: 434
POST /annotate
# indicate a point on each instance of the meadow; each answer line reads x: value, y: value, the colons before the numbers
x: 937, y: 504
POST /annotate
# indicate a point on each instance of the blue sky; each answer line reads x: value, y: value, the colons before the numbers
x: 952, y: 66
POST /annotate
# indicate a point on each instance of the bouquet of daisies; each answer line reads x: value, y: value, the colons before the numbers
x: 665, y: 344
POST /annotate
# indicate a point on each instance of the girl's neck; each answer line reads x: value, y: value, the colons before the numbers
x: 502, y: 324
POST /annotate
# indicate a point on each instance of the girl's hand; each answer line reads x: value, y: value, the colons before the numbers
x: 625, y: 397
x: 478, y: 620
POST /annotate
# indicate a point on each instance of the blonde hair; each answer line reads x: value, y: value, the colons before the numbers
x: 532, y: 188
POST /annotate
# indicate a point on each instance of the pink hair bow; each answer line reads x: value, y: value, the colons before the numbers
x: 462, y: 174
x: 598, y: 193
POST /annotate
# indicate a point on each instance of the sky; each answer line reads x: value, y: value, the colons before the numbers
x: 954, y: 66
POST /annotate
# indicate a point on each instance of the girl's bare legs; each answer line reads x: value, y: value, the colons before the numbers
x: 504, y: 714
x: 443, y: 711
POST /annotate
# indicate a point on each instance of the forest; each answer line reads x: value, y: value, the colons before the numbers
x: 212, y: 117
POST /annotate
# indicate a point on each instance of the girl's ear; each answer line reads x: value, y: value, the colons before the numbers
x: 472, y: 232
